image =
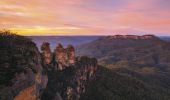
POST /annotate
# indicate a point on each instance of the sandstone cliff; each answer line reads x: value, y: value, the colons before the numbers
x: 46, y: 53
x: 67, y: 74
x: 27, y: 74
x: 64, y: 56
x: 21, y: 73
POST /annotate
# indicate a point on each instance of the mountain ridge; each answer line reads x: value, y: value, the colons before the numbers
x: 27, y: 74
x: 148, y: 36
x: 146, y: 60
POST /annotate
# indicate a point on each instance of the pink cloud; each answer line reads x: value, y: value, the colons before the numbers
x: 102, y: 16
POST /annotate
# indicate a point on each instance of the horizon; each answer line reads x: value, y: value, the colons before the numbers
x: 91, y: 35
x: 76, y: 35
x: 85, y: 17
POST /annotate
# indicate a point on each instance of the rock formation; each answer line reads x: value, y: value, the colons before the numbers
x: 46, y: 53
x: 70, y: 76
x: 71, y: 54
x: 61, y: 57
x: 21, y: 72
x: 71, y: 82
x: 64, y: 56
x: 27, y: 74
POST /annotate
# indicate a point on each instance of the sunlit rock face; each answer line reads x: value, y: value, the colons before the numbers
x: 27, y: 94
x: 71, y: 54
x: 64, y: 56
x: 21, y: 73
x: 61, y: 57
x: 68, y: 79
x: 46, y: 53
x: 27, y: 74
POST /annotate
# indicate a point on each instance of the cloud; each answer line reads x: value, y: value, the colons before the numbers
x: 98, y: 16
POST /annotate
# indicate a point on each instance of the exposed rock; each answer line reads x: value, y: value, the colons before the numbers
x: 27, y: 94
x: 25, y: 74
x: 61, y: 57
x: 21, y: 73
x: 70, y: 82
x: 46, y: 53
x: 71, y: 54
x: 64, y: 56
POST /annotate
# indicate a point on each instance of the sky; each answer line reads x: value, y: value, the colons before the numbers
x: 85, y: 17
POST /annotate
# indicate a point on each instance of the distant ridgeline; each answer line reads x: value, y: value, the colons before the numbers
x: 138, y: 68
x: 132, y: 37
x: 27, y: 74
x: 135, y: 68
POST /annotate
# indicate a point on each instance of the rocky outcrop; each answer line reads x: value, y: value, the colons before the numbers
x: 21, y: 73
x: 27, y: 74
x: 85, y: 73
x: 46, y: 53
x: 70, y: 83
x: 64, y: 56
x: 71, y: 54
x: 68, y: 75
x: 60, y: 58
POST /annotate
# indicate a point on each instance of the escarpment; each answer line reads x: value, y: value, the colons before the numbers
x: 27, y: 74
x: 67, y: 75
x: 135, y: 37
x: 21, y: 72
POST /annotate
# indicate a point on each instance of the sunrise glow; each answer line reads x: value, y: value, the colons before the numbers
x: 85, y: 17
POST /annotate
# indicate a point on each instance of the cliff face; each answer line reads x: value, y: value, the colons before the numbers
x: 21, y: 73
x: 68, y: 75
x: 135, y: 37
x: 46, y: 53
x: 27, y: 74
x: 59, y: 59
x: 64, y: 56
x: 145, y: 49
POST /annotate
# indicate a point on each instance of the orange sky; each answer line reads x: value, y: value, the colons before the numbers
x: 85, y: 17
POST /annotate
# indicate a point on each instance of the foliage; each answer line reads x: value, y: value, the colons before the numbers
x: 17, y: 53
x: 112, y: 85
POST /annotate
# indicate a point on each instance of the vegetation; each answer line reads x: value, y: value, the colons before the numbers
x: 136, y: 69
x: 16, y: 54
x: 133, y: 69
x: 58, y: 82
x: 113, y: 85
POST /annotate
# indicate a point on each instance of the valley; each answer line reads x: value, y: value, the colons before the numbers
x: 120, y: 67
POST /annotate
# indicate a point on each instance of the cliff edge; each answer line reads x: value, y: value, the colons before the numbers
x: 21, y: 72
x: 27, y: 74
